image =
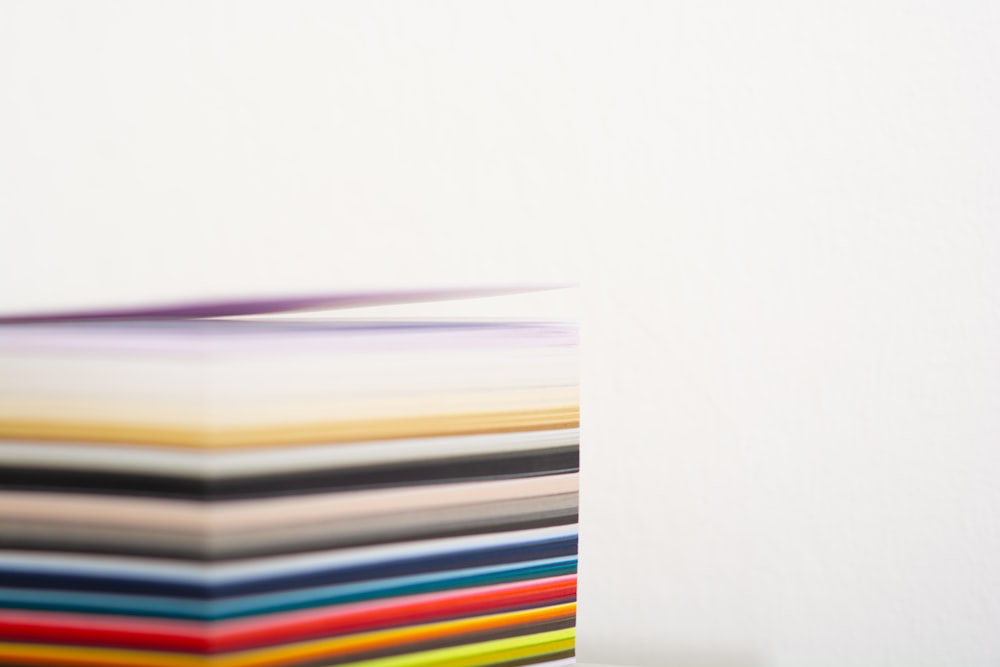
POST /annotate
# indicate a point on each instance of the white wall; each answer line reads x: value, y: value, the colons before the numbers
x: 783, y: 214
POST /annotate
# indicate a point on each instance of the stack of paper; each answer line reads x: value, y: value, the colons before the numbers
x: 182, y: 491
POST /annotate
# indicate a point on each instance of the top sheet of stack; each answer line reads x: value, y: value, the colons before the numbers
x: 211, y: 383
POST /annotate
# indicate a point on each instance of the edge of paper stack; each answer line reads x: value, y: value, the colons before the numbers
x: 179, y: 488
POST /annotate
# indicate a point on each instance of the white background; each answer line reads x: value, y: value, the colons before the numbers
x: 783, y: 216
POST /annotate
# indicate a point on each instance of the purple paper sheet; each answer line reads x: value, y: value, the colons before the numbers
x: 262, y: 306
